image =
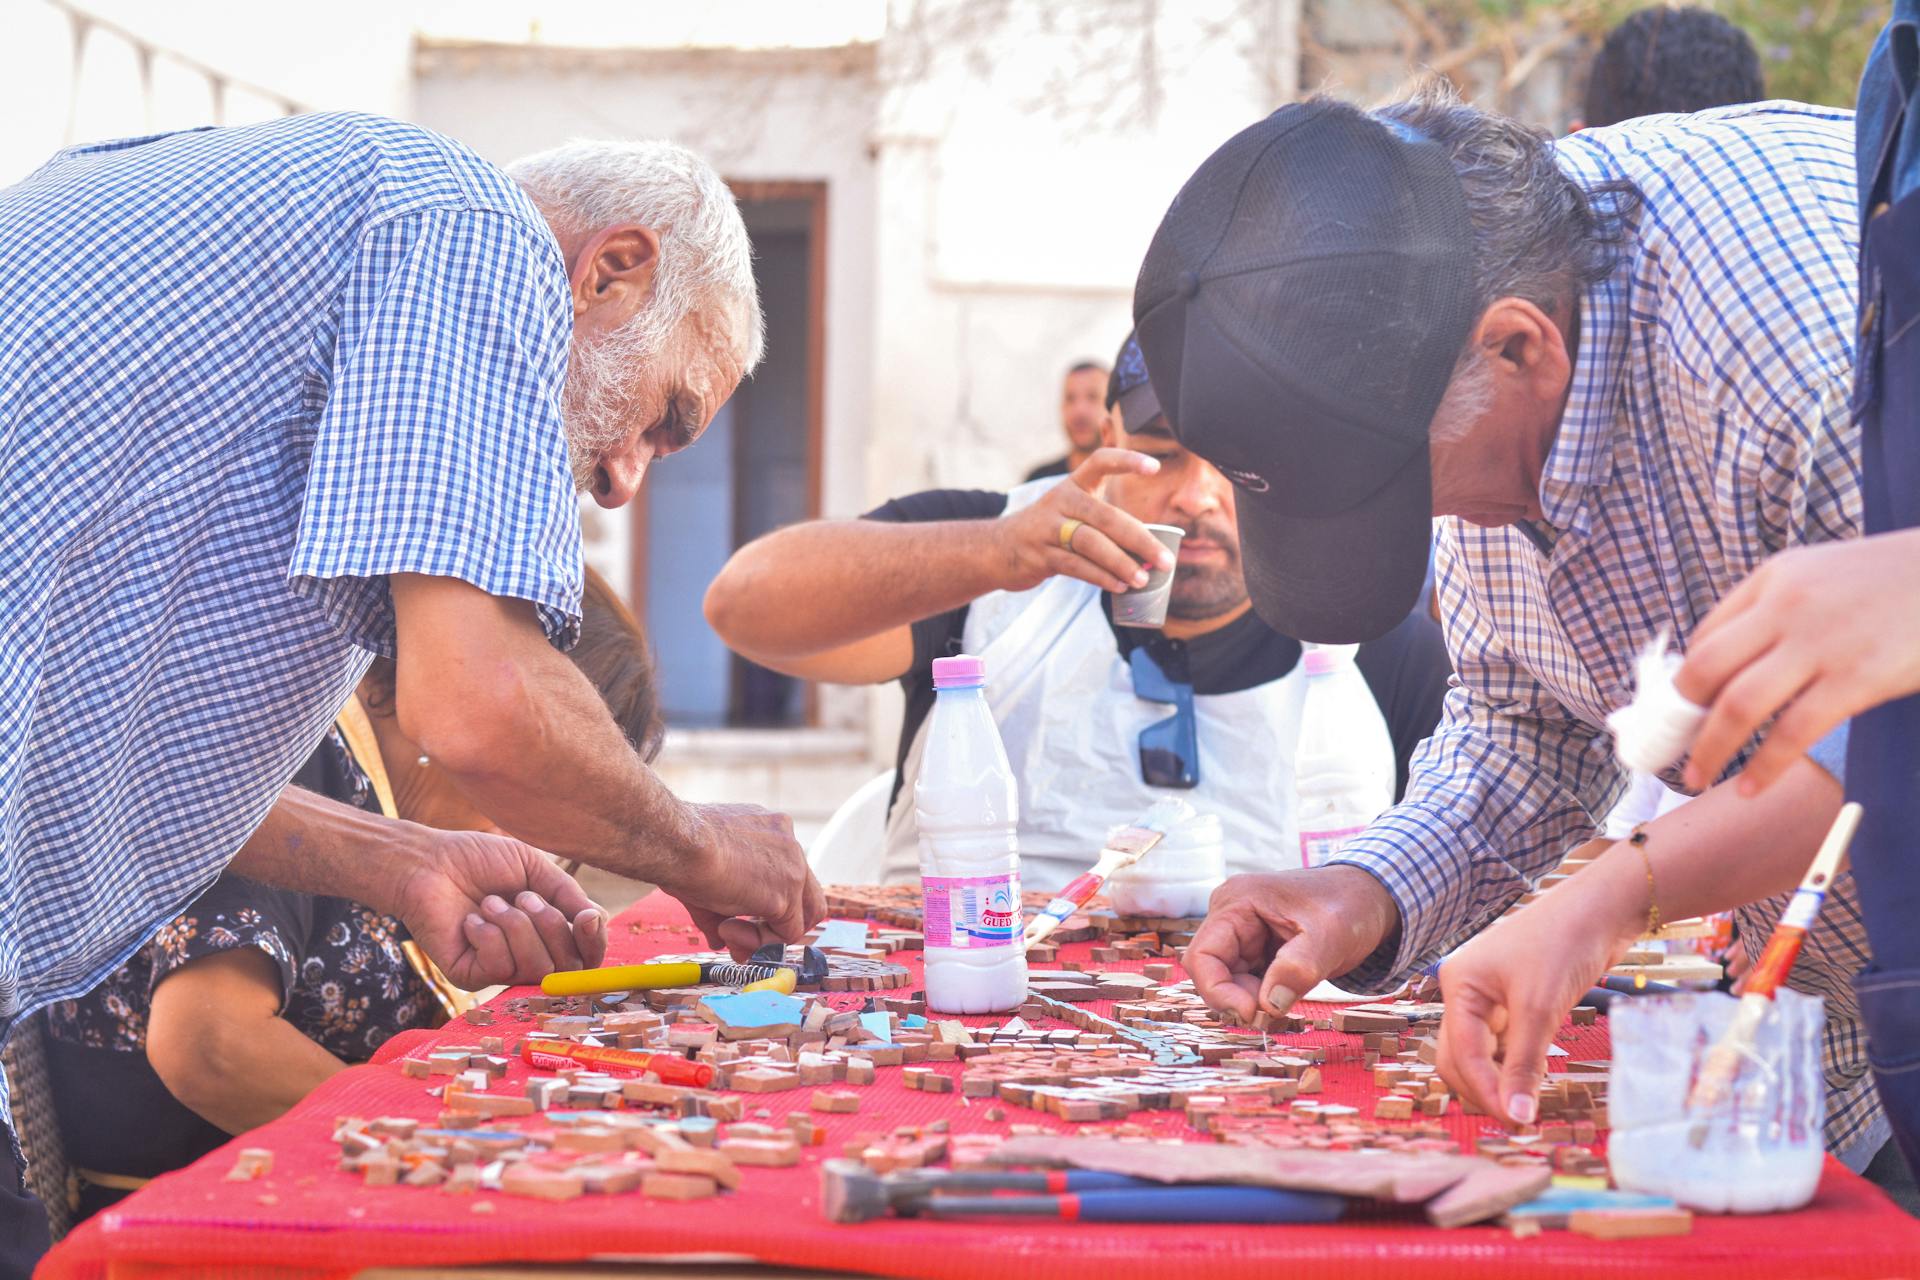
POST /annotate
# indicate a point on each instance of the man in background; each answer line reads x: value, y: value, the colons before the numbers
x: 1018, y: 579
x: 1083, y: 395
x: 1671, y: 60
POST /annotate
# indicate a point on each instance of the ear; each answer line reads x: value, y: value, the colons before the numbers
x: 1110, y: 428
x: 1523, y: 341
x: 614, y: 267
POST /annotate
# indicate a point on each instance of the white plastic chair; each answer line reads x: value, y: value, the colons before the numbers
x: 851, y: 847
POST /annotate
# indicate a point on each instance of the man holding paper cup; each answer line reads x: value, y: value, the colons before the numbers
x: 1062, y: 586
x: 1622, y: 376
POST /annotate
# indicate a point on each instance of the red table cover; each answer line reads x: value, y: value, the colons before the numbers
x: 309, y: 1219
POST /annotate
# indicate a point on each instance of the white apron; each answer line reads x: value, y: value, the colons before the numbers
x: 1063, y: 698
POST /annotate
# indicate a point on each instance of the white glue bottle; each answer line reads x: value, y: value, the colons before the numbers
x: 1343, y: 766
x: 968, y: 807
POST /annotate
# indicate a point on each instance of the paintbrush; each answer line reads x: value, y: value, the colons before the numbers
x: 1128, y: 846
x: 1722, y: 1064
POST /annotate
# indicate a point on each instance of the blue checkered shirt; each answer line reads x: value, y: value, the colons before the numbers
x: 245, y: 374
x: 1706, y: 429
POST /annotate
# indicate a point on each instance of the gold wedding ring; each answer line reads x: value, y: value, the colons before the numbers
x: 1067, y: 530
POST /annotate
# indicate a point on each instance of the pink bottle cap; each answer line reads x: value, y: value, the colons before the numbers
x: 963, y: 672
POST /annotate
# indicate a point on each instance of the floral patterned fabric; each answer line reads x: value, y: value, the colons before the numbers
x: 345, y: 982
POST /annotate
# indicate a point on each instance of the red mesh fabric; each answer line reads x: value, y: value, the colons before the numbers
x: 310, y: 1220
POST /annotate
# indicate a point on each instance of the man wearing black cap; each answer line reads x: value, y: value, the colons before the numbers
x: 1017, y: 579
x: 1620, y: 364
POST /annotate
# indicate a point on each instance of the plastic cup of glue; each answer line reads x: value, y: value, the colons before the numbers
x: 1147, y: 606
x: 1178, y: 876
x: 1761, y: 1149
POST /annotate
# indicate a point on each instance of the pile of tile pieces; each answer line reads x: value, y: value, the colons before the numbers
x: 595, y: 1141
x: 1120, y: 938
x: 579, y: 1153
x: 589, y: 1132
x: 1106, y: 1069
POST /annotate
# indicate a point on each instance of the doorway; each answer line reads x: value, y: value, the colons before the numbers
x: 756, y: 468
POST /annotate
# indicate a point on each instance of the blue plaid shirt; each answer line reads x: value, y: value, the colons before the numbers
x: 1706, y: 429
x: 245, y: 374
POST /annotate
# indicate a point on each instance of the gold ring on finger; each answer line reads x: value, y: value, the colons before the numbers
x: 1067, y: 529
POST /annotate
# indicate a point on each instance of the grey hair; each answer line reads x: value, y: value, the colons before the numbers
x: 1468, y: 397
x: 706, y: 259
x: 1537, y: 234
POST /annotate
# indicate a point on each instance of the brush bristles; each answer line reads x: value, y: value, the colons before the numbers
x: 1155, y: 823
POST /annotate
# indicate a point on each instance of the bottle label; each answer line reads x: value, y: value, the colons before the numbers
x: 972, y: 911
x: 1318, y: 846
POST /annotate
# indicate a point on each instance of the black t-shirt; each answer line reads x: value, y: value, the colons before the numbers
x: 1407, y: 669
x: 344, y: 981
x: 1046, y: 470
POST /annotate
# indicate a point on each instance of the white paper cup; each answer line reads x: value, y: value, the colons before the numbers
x: 1147, y: 606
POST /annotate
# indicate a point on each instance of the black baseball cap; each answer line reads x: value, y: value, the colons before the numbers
x: 1301, y: 310
x: 1129, y: 389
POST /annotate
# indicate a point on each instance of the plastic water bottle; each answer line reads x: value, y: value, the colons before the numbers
x: 1343, y: 767
x: 968, y: 807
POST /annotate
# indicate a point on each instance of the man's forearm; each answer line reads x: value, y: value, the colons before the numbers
x: 1483, y: 820
x: 315, y: 845
x: 521, y: 731
x: 809, y: 588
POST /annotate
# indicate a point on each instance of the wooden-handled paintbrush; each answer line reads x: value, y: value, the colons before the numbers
x: 1722, y: 1063
x: 1128, y: 846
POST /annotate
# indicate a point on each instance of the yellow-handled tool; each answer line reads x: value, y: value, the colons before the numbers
x: 767, y: 971
x: 624, y: 977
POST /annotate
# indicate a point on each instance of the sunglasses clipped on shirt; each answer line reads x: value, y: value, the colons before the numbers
x: 1170, y: 748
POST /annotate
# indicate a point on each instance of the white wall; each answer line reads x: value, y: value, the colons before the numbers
x: 344, y: 54
x: 1027, y: 153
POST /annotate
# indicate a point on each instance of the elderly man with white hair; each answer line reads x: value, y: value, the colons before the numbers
x: 275, y: 399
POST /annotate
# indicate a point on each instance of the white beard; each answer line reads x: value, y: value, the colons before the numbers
x: 598, y: 402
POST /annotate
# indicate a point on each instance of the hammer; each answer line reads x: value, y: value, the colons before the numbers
x: 850, y: 1193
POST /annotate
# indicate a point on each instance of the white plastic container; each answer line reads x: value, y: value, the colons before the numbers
x: 1177, y: 877
x: 968, y: 807
x: 1343, y: 768
x: 1762, y: 1148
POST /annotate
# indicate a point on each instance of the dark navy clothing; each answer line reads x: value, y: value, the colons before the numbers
x: 1883, y: 760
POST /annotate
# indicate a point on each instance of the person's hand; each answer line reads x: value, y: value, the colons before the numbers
x: 1109, y: 547
x: 744, y: 861
x: 1815, y: 634
x: 488, y: 909
x: 1269, y: 939
x: 1508, y: 990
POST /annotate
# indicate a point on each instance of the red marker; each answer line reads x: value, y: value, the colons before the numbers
x: 554, y: 1055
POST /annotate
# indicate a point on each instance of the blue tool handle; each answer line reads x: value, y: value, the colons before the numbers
x: 1158, y: 1203
x: 1631, y: 987
x: 1094, y: 1180
x: 1209, y: 1204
